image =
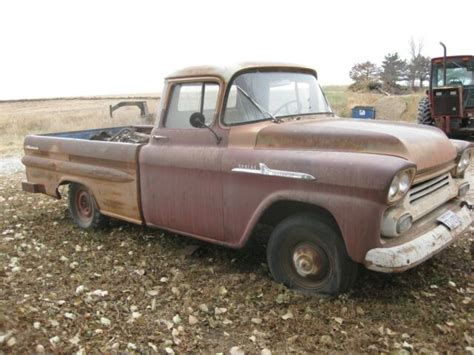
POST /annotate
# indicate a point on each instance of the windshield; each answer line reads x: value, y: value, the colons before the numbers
x: 259, y: 96
x: 457, y: 73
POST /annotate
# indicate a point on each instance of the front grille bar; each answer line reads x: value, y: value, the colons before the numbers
x: 425, y: 188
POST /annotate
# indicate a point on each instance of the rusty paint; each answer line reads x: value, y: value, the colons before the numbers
x: 185, y: 183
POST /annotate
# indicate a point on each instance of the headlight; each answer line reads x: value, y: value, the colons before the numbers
x: 463, y: 162
x: 400, y: 185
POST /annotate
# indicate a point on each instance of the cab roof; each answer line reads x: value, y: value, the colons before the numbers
x: 227, y: 72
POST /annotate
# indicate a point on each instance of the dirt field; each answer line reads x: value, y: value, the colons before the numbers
x: 131, y: 289
x: 127, y: 288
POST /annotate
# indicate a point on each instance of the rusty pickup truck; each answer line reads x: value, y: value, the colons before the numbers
x: 235, y: 147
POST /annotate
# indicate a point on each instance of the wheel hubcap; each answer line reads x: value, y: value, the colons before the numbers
x: 83, y: 204
x: 307, y: 261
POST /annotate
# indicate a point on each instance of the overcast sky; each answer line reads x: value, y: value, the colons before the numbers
x: 76, y: 48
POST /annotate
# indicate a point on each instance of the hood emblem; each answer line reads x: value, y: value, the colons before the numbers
x: 262, y: 169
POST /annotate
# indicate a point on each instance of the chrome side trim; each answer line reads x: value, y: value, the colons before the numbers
x: 31, y: 147
x: 265, y: 170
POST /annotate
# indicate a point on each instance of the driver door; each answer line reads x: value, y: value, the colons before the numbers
x: 180, y: 169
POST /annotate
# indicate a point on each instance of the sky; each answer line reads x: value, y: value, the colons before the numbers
x: 80, y: 48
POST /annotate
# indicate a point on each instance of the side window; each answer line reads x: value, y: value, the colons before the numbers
x: 189, y: 98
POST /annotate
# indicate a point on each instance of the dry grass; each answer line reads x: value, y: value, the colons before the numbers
x: 19, y: 118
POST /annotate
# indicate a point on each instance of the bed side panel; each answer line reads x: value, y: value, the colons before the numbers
x: 108, y: 169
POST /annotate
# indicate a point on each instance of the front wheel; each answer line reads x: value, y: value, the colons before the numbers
x: 83, y: 208
x: 306, y: 253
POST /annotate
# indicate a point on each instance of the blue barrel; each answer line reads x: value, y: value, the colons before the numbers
x: 367, y: 112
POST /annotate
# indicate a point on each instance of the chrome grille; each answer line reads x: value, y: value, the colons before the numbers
x: 419, y: 191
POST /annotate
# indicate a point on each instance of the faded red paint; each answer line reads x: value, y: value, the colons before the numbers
x: 183, y: 181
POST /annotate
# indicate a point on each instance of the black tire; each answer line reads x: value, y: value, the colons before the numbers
x: 424, y: 112
x: 306, y: 253
x: 83, y: 208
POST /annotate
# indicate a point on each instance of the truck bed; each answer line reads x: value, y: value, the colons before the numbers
x: 105, y: 160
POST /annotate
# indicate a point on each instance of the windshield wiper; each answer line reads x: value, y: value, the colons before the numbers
x: 258, y: 106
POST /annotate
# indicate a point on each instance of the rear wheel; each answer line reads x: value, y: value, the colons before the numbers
x: 306, y: 253
x: 424, y: 112
x: 83, y: 208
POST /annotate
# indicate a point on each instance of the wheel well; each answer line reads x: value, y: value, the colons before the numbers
x: 59, y: 194
x: 279, y: 210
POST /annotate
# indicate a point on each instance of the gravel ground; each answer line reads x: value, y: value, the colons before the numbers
x: 131, y: 289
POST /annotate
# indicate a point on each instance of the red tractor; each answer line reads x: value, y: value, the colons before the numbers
x: 449, y: 103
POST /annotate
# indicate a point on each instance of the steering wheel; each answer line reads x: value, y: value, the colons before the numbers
x: 285, y: 105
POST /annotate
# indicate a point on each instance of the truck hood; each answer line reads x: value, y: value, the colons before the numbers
x: 427, y: 147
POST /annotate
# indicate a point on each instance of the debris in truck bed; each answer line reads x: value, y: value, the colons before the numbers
x: 126, y: 135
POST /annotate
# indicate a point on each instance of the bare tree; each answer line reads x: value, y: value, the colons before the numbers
x: 419, y: 65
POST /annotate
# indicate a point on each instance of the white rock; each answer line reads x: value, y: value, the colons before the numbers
x: 235, y: 350
x: 75, y: 340
x: 63, y: 258
x: 407, y: 345
x: 80, y: 289
x: 192, y: 320
x: 131, y: 346
x: 54, y: 340
x: 70, y: 315
x: 133, y: 308
x: 99, y: 293
x: 36, y: 325
x: 218, y: 310
x: 105, y: 321
x: 288, y: 315
x: 11, y: 342
x: 136, y: 315
x: 256, y: 320
x: 169, y: 350
x: 265, y: 352
x: 153, y: 346
x: 176, y: 319
x: 203, y: 307
x: 39, y: 349
x: 5, y: 336
x: 164, y: 279
x: 451, y: 284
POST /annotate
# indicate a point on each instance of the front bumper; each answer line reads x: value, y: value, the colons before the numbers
x: 426, y: 238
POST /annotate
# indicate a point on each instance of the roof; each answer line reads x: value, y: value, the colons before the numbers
x: 226, y: 72
x: 467, y: 56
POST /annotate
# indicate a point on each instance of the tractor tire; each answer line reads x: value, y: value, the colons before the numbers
x: 83, y: 208
x: 306, y: 253
x: 424, y: 112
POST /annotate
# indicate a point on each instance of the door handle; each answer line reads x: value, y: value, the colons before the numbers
x: 155, y: 136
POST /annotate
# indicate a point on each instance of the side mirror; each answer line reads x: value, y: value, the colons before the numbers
x: 197, y: 120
